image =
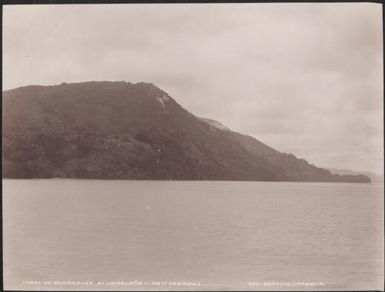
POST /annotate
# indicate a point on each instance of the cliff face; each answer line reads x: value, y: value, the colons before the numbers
x: 121, y: 130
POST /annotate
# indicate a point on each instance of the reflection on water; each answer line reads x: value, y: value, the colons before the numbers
x: 220, y: 235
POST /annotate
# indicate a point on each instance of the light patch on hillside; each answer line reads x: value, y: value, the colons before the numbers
x: 215, y: 124
x: 163, y: 99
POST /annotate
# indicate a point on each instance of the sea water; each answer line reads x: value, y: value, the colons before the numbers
x: 184, y: 235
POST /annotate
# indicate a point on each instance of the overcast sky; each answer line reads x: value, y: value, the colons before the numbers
x: 302, y: 78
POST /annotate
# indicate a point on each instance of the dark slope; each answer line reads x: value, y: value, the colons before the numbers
x: 120, y: 130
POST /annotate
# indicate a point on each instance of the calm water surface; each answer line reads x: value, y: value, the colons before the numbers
x: 223, y: 235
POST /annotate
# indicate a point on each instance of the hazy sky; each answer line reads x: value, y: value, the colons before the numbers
x: 302, y: 78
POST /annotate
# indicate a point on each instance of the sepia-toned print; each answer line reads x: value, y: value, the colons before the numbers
x: 193, y: 147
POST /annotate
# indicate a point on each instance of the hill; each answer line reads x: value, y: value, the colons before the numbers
x: 122, y: 130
